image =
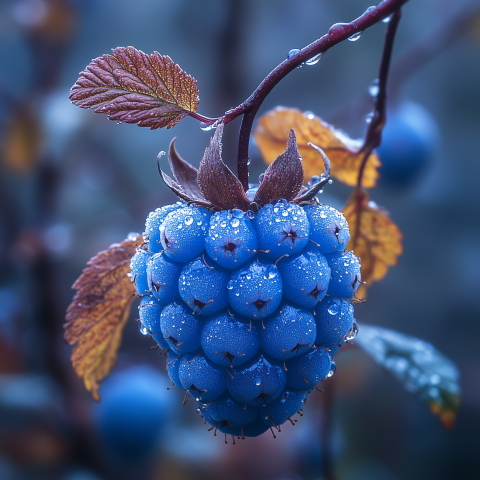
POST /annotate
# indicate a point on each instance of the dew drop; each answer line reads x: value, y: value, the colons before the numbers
x: 258, y: 382
x: 261, y: 177
x: 237, y: 213
x: 250, y: 214
x: 353, y: 332
x: 373, y: 89
x: 188, y: 220
x: 142, y: 328
x: 387, y: 19
x: 179, y: 226
x: 285, y: 213
x: 235, y: 223
x: 315, y: 179
x: 293, y: 52
x: 333, y: 369
x: 223, y: 224
x: 333, y: 309
x: 199, y: 223
x: 206, y: 127
x: 355, y: 36
x: 314, y: 60
x: 132, y: 236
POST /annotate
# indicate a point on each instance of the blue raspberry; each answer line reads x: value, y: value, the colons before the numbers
x: 138, y: 268
x: 201, y: 378
x: 231, y: 239
x: 328, y: 228
x: 149, y: 312
x: 305, y: 277
x: 257, y: 382
x: 282, y: 229
x: 227, y: 409
x: 183, y: 232
x: 334, y: 318
x: 303, y: 373
x: 255, y: 290
x: 202, y: 287
x: 153, y: 222
x: 345, y: 274
x: 289, y: 332
x: 283, y: 408
x: 229, y: 340
x: 180, y: 328
x: 162, y: 275
x: 173, y: 364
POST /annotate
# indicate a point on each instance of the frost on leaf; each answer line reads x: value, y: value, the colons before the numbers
x: 284, y: 176
x: 273, y: 130
x: 218, y: 184
x: 98, y: 313
x: 374, y: 238
x: 421, y: 369
x: 133, y: 87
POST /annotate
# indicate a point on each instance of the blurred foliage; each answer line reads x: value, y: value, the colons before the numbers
x: 421, y: 368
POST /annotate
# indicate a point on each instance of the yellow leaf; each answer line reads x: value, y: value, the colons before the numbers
x: 272, y: 133
x: 373, y: 237
x: 98, y: 313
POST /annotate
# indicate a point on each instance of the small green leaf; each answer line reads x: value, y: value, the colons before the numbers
x: 421, y: 368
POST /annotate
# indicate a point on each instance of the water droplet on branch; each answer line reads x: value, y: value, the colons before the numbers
x: 355, y: 36
x: 314, y: 60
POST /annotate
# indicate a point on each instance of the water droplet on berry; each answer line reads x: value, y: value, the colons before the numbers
x: 293, y: 52
x: 250, y: 214
x: 237, y: 213
x: 142, y: 328
x: 355, y: 36
x: 223, y: 224
x: 199, y: 223
x: 285, y: 213
x: 373, y: 89
x: 235, y: 223
x: 353, y: 332
x: 333, y: 369
x: 179, y: 226
x: 313, y: 61
x: 333, y: 309
x: 258, y: 382
x: 230, y: 286
x: 188, y: 220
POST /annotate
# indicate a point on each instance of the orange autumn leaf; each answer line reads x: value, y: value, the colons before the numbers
x: 374, y: 238
x: 98, y: 313
x: 272, y: 133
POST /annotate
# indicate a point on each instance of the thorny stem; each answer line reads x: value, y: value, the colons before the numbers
x: 373, y: 137
x: 249, y: 108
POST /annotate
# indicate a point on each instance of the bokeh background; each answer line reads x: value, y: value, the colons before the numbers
x: 72, y: 183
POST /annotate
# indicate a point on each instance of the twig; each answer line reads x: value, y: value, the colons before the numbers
x: 373, y: 137
x: 336, y: 34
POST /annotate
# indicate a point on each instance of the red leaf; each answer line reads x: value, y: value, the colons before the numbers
x: 184, y: 173
x: 133, y: 87
x: 284, y: 176
x: 217, y: 182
